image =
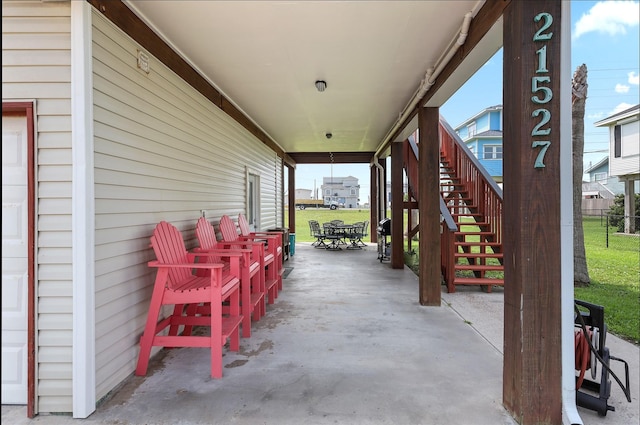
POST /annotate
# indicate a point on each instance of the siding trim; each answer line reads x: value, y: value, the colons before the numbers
x: 82, y: 207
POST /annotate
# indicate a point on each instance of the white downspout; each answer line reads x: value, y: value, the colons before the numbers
x: 381, y: 204
x: 431, y: 75
x: 570, y: 415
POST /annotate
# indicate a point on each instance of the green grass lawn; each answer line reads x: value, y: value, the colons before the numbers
x: 614, y: 271
x: 615, y: 278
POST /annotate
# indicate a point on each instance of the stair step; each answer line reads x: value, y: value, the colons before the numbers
x: 486, y: 268
x: 450, y: 192
x: 477, y: 243
x: 477, y: 281
x: 473, y: 233
x: 473, y: 223
x: 477, y: 255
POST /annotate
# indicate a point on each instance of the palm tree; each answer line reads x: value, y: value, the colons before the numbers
x: 579, y: 97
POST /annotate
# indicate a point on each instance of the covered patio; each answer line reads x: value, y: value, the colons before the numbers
x: 358, y: 349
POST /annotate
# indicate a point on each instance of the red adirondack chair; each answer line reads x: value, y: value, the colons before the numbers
x: 252, y: 272
x: 273, y: 278
x: 270, y: 237
x: 197, y: 301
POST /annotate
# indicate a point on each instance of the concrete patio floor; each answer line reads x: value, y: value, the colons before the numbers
x: 346, y: 342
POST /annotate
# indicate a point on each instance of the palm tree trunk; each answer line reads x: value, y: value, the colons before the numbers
x: 579, y: 97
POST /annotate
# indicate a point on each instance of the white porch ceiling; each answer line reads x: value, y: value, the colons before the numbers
x: 265, y: 57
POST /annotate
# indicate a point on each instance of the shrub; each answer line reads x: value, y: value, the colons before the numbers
x: 616, y: 212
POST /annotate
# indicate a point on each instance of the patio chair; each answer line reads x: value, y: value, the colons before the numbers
x: 331, y: 234
x: 273, y: 276
x: 269, y: 237
x: 317, y: 232
x: 201, y: 297
x: 355, y: 235
x: 252, y: 273
x: 364, y: 233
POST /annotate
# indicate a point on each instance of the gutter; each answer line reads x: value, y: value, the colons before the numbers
x: 430, y: 78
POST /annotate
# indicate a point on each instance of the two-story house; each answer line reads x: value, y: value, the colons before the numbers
x: 624, y: 156
x: 482, y: 133
x: 343, y: 190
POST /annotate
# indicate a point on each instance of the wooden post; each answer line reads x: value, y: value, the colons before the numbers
x: 291, y: 200
x: 532, y: 373
x: 430, y: 276
x: 397, y: 207
x: 374, y: 201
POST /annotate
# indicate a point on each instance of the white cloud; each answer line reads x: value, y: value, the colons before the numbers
x: 621, y: 107
x: 634, y: 78
x: 597, y: 116
x: 621, y: 88
x: 608, y: 17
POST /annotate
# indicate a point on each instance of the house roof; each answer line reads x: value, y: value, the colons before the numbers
x: 598, y: 164
x: 479, y: 114
x: 634, y: 110
x: 488, y: 133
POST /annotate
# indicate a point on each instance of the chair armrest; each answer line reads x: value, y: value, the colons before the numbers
x: 158, y: 264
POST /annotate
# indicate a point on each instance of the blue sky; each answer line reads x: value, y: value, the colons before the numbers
x: 605, y: 38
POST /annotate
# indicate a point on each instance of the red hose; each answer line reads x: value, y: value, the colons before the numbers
x: 583, y: 353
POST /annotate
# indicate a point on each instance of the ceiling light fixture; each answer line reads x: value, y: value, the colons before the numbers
x: 321, y: 85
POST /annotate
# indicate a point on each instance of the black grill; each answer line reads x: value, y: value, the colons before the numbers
x: 384, y: 227
x: 384, y: 230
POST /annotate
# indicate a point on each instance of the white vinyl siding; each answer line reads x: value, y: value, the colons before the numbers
x: 629, y: 161
x: 162, y: 152
x: 36, y: 65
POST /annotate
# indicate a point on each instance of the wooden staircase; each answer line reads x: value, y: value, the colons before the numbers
x: 471, y: 207
x: 477, y: 254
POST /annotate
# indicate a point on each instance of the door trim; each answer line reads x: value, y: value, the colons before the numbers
x: 27, y: 109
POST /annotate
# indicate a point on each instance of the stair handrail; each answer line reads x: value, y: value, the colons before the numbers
x: 474, y: 178
x: 463, y: 146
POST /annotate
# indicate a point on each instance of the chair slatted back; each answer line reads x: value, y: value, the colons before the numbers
x: 228, y: 229
x: 206, y: 235
x: 169, y: 248
x: 243, y: 224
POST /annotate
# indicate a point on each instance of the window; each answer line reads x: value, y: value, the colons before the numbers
x: 600, y: 176
x: 327, y: 192
x: 253, y: 200
x: 352, y: 191
x: 471, y: 129
x: 492, y: 151
x: 617, y: 141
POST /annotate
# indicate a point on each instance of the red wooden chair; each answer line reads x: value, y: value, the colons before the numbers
x: 252, y: 272
x: 201, y: 296
x: 271, y: 237
x: 273, y: 278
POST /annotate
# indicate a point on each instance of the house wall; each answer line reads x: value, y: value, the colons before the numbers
x: 36, y: 65
x: 493, y: 166
x: 629, y: 162
x: 162, y: 152
x: 599, y: 173
x: 495, y: 120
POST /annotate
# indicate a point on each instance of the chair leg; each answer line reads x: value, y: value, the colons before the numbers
x: 215, y: 339
x: 245, y: 291
x: 146, y: 341
x: 234, y: 301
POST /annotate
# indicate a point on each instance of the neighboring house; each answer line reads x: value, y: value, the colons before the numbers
x: 343, y: 190
x: 482, y: 133
x: 600, y: 184
x: 599, y: 191
x: 304, y: 194
x: 624, y: 155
